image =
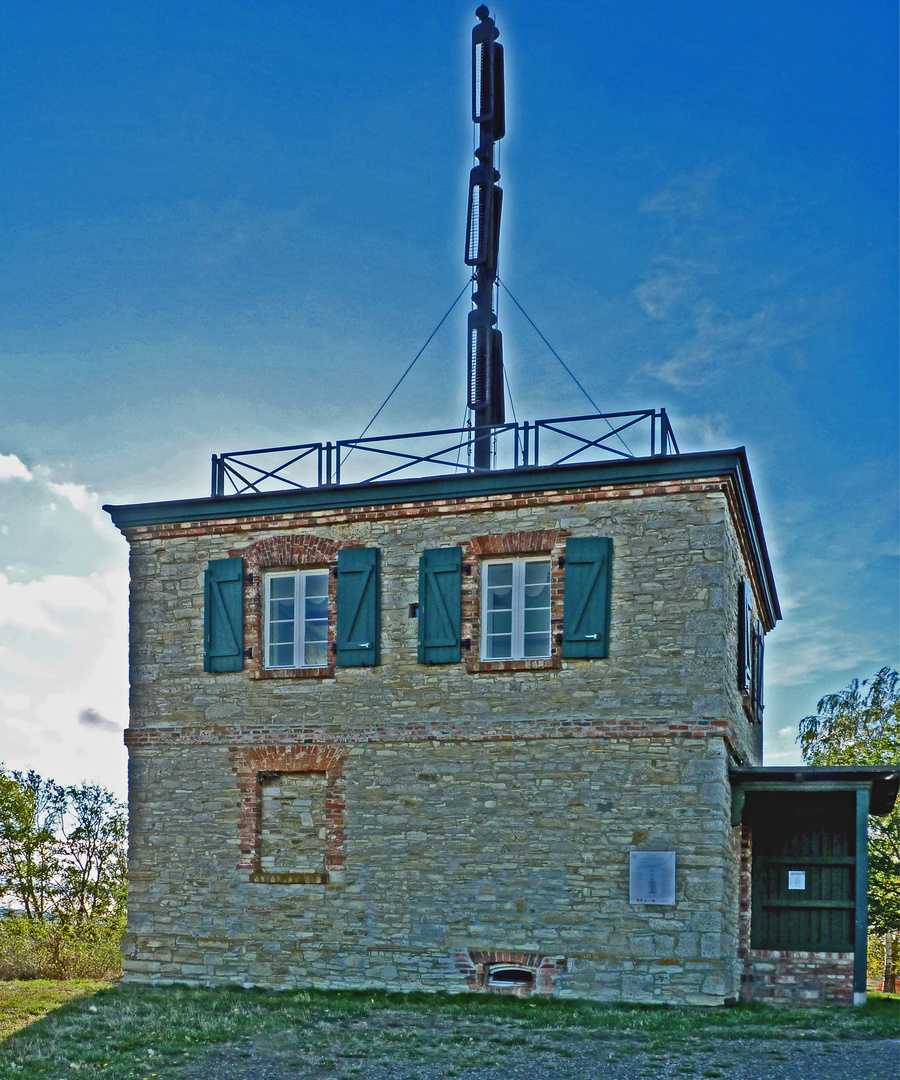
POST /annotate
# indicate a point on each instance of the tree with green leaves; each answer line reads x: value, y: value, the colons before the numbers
x: 860, y: 725
x: 62, y: 877
x: 62, y: 849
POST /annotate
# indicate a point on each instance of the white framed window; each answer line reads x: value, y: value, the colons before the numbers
x: 296, y: 619
x: 515, y: 609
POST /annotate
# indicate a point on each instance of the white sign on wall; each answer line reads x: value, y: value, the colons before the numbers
x: 796, y: 879
x: 651, y: 877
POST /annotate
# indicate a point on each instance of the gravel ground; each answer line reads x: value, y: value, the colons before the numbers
x: 487, y: 1051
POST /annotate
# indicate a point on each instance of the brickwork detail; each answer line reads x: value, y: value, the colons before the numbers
x: 475, y: 967
x: 797, y: 978
x: 256, y: 768
x: 549, y: 542
x: 627, y: 727
x: 294, y: 551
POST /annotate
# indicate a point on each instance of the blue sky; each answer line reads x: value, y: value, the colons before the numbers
x: 231, y: 225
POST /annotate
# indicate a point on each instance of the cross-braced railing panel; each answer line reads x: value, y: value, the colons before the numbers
x: 418, y: 454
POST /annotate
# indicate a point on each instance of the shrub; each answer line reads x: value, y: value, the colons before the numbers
x: 37, y: 949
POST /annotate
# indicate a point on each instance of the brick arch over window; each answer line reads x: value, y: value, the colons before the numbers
x: 250, y: 763
x: 536, y: 542
x: 550, y: 542
x: 293, y: 551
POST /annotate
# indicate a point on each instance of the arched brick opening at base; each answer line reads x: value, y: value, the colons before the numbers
x: 515, y: 973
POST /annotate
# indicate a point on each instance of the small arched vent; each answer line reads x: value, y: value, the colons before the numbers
x: 505, y: 976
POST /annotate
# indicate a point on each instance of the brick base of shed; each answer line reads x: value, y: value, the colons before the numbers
x: 797, y: 978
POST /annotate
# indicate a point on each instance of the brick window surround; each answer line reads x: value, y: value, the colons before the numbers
x: 549, y: 542
x: 295, y: 551
x: 475, y: 967
x: 251, y: 765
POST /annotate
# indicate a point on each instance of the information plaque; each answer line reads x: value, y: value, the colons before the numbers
x: 651, y: 877
x: 796, y: 879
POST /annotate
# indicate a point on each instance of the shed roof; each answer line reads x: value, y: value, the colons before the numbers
x: 883, y: 781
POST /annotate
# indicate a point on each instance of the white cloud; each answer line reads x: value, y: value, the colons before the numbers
x: 63, y: 633
x: 12, y: 468
x: 710, y: 430
x: 64, y: 654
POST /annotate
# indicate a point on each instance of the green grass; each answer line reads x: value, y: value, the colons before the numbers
x: 128, y: 1032
x: 21, y: 1003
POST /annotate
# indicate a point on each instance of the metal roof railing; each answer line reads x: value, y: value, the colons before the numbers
x: 540, y: 443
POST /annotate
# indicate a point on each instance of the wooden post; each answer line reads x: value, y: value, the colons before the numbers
x: 862, y: 896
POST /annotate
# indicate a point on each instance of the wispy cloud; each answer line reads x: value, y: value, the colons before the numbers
x: 687, y: 282
x: 718, y: 341
x: 686, y: 196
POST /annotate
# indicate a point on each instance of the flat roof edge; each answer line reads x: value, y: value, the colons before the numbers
x: 648, y: 470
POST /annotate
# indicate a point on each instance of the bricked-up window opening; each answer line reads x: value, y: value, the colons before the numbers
x: 292, y: 826
x: 296, y: 619
x: 516, y: 609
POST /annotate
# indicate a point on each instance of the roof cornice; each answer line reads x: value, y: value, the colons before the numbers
x: 629, y: 471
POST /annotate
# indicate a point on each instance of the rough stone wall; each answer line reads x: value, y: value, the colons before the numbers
x: 469, y: 810
x: 498, y: 848
x: 292, y: 823
x: 670, y: 656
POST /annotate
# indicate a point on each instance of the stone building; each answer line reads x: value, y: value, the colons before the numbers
x: 469, y: 732
x: 492, y: 730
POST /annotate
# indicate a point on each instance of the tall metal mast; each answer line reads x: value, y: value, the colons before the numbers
x: 485, y: 344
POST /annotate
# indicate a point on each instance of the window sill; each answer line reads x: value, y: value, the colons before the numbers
x: 265, y: 877
x: 293, y: 673
x: 546, y: 663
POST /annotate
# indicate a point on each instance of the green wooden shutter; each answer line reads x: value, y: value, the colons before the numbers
x: 745, y: 636
x: 358, y: 607
x: 223, y: 615
x: 440, y: 597
x: 587, y: 596
x: 759, y: 642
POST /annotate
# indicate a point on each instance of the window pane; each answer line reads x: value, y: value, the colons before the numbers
x: 500, y: 598
x: 281, y: 610
x: 537, y: 645
x: 281, y: 655
x: 316, y: 653
x: 281, y: 632
x: 317, y: 584
x: 499, y: 647
x: 317, y: 631
x: 281, y: 586
x: 537, y: 620
x: 537, y: 573
x: 499, y: 574
x: 316, y: 607
x: 499, y: 622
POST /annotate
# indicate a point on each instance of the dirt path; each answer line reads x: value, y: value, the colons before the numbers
x: 415, y: 1048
